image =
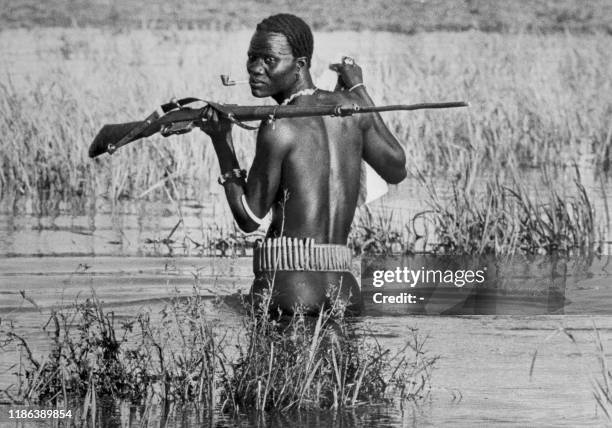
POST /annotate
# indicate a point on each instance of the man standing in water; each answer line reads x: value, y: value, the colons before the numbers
x: 306, y: 170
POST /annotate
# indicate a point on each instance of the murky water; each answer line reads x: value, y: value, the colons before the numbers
x: 484, y: 359
x: 138, y: 228
x: 481, y: 378
x: 123, y: 252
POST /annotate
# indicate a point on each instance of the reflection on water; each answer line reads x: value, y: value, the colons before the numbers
x: 111, y: 415
x: 123, y: 228
x: 104, y: 228
x: 372, y: 416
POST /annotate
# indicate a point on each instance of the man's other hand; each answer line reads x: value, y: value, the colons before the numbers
x: 349, y: 74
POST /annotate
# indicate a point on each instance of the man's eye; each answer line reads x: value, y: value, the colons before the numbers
x: 269, y: 60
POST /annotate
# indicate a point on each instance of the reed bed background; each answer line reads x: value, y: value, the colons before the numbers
x: 535, y: 100
x: 506, y: 219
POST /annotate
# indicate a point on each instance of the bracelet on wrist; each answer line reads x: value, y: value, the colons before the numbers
x: 356, y: 86
x: 231, y: 176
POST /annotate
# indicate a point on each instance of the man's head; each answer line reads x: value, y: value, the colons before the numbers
x: 296, y: 31
x: 279, y: 55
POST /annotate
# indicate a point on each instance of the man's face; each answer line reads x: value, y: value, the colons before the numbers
x: 271, y: 64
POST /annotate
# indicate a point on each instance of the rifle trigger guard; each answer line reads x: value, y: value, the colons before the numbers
x: 175, y: 104
x: 177, y: 128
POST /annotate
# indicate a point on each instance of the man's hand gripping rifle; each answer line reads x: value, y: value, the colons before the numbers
x: 176, y: 118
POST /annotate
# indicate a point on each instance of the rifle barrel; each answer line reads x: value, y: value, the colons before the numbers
x: 113, y: 136
x: 421, y: 106
x: 248, y: 113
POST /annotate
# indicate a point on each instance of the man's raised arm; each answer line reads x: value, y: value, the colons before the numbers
x: 249, y: 200
x: 381, y: 150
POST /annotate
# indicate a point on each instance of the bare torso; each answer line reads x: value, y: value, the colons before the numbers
x: 307, y: 171
x: 319, y: 181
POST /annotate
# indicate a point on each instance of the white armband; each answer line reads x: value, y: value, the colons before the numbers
x: 250, y: 213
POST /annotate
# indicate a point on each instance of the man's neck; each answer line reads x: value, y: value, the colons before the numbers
x: 304, y: 82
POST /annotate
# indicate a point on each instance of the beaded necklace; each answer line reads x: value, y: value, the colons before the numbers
x: 309, y: 91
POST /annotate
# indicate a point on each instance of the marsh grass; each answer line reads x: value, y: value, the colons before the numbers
x: 380, y: 232
x: 497, y: 215
x: 85, y: 352
x: 505, y: 218
x: 535, y: 100
x: 181, y: 358
x: 321, y: 363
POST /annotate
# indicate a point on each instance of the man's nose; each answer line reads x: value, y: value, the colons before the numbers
x: 255, y: 66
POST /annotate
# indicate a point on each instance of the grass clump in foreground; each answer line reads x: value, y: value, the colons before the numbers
x: 181, y: 358
x: 323, y: 363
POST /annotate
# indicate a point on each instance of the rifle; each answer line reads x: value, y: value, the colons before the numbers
x: 175, y: 118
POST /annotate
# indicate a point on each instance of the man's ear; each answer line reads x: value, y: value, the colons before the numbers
x: 301, y: 62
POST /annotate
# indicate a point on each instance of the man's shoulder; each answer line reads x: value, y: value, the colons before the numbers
x: 337, y: 97
x: 276, y: 132
x: 346, y: 98
x: 285, y: 131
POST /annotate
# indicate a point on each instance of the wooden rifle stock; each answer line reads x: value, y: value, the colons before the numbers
x: 174, y: 118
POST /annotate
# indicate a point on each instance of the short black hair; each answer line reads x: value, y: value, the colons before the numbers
x: 296, y: 31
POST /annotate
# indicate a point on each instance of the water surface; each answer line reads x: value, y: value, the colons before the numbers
x: 137, y: 255
x: 485, y: 360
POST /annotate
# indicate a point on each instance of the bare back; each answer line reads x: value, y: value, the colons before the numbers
x: 306, y: 170
x: 320, y: 175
